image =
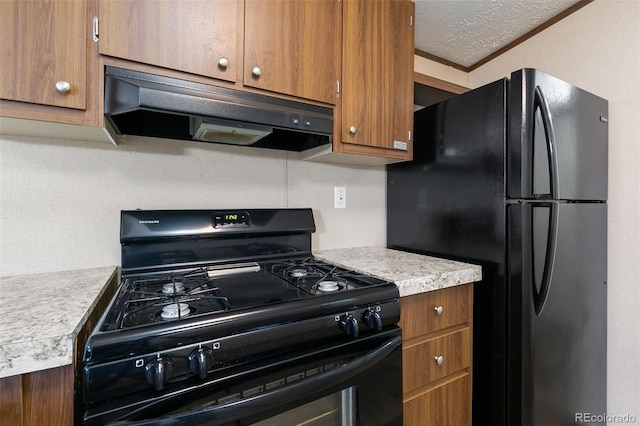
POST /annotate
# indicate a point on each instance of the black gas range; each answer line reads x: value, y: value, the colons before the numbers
x: 225, y: 317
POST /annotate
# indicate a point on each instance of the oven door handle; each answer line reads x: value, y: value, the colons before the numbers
x: 254, y: 405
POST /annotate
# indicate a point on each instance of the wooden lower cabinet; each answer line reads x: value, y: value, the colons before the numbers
x: 437, y: 356
x: 446, y: 404
x: 39, y: 398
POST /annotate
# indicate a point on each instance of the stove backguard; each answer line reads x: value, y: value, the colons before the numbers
x: 172, y: 239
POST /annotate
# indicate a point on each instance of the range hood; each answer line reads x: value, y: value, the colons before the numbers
x: 145, y: 104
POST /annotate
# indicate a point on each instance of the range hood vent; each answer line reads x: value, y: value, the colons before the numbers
x: 144, y: 104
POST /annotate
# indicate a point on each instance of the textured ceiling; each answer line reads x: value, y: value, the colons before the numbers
x: 466, y: 31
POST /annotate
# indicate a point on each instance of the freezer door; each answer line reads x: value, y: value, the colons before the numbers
x: 557, y: 312
x: 557, y: 140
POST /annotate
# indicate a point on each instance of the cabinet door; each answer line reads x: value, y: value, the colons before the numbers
x: 445, y: 405
x: 195, y: 36
x: 428, y: 312
x: 42, y: 43
x: 293, y: 47
x: 435, y: 358
x: 377, y: 75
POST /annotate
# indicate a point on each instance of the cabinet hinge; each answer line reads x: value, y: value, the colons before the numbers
x: 94, y: 29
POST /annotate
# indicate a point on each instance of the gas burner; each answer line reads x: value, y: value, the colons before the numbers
x: 297, y: 272
x: 175, y: 310
x: 173, y: 287
x: 329, y: 285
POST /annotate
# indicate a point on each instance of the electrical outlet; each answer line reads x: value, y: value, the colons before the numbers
x: 340, y: 197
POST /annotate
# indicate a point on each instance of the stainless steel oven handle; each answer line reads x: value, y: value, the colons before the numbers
x: 222, y: 414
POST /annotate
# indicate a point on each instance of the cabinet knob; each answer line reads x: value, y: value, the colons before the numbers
x: 223, y: 62
x: 353, y: 130
x: 256, y: 72
x: 63, y: 86
x: 439, y: 359
x: 439, y: 310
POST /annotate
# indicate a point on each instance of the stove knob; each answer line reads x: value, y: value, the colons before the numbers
x: 200, y: 361
x: 349, y: 325
x: 372, y: 320
x: 158, y: 371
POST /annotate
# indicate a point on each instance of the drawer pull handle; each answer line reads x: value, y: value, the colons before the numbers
x: 439, y: 359
x: 439, y: 310
x: 63, y: 86
x: 223, y: 63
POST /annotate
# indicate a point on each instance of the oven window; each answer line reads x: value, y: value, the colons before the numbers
x: 333, y: 410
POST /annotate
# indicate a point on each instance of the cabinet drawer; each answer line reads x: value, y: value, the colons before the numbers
x: 445, y: 405
x: 420, y: 365
x: 428, y: 312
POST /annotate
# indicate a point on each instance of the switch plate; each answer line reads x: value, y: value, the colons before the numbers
x: 340, y: 197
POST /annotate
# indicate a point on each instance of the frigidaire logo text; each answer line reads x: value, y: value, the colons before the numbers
x: 149, y: 221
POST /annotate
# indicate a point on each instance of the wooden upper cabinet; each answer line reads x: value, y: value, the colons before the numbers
x: 43, y: 44
x: 195, y: 36
x: 293, y: 47
x: 377, y: 77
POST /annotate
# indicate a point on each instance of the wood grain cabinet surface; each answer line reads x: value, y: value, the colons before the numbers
x: 377, y: 79
x: 44, y: 43
x: 50, y: 68
x: 355, y: 55
x: 282, y: 46
x: 196, y: 36
x: 293, y: 47
x: 436, y: 356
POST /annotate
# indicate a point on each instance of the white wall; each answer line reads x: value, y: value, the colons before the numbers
x: 443, y: 72
x: 60, y: 200
x: 598, y: 49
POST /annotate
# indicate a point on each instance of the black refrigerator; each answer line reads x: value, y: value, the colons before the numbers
x: 513, y: 176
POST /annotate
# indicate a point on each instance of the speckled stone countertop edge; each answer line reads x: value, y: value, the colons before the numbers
x: 26, y: 345
x: 412, y: 273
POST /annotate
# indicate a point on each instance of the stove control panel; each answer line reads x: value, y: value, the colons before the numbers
x: 201, y: 361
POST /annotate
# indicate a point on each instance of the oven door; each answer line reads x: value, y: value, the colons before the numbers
x: 355, y: 382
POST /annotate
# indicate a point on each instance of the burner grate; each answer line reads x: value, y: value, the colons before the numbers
x: 168, y: 296
x: 315, y: 277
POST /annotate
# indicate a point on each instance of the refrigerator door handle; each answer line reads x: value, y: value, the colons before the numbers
x: 540, y: 296
x: 540, y: 102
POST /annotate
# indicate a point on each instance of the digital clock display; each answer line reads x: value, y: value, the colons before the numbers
x: 231, y: 220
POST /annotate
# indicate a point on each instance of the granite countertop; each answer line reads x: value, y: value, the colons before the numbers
x: 42, y: 314
x: 412, y: 273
